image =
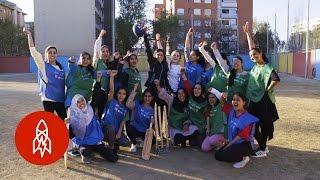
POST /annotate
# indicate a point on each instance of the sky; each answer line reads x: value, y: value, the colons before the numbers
x: 263, y: 10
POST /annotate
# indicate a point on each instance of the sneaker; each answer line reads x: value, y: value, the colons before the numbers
x: 85, y: 160
x: 133, y: 148
x: 74, y: 152
x: 259, y: 153
x: 242, y: 163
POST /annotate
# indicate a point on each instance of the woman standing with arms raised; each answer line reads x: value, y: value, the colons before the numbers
x: 262, y: 80
x: 51, y: 79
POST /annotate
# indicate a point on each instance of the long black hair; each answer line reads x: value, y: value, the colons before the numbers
x: 233, y: 73
x: 149, y: 90
x: 201, y: 60
x: 264, y: 57
x: 115, y: 96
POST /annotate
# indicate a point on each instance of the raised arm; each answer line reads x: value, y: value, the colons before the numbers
x: 222, y: 62
x: 113, y: 73
x: 187, y: 45
x: 130, y: 101
x: 249, y: 37
x: 206, y: 55
x: 97, y: 48
x: 33, y: 51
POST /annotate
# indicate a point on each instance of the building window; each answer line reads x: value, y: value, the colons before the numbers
x: 180, y: 34
x: 207, y: 35
x: 225, y: 11
x: 207, y: 22
x: 180, y: 11
x: 197, y: 35
x: 225, y: 22
x: 197, y: 1
x: 207, y: 1
x: 181, y: 22
x: 197, y: 22
x: 207, y: 12
x: 197, y: 12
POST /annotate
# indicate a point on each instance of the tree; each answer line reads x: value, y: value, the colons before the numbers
x: 225, y: 36
x: 297, y: 40
x: 167, y: 26
x: 12, y: 40
x: 130, y: 12
x: 260, y: 37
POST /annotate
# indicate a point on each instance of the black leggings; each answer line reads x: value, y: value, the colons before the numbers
x: 195, y: 139
x: 133, y: 134
x: 50, y: 106
x: 234, y: 153
x: 107, y: 153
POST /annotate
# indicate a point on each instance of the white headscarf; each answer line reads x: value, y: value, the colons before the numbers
x: 80, y: 118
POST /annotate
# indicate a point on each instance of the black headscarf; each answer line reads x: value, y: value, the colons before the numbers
x: 179, y: 105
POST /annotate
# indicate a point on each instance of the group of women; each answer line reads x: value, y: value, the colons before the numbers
x: 212, y: 104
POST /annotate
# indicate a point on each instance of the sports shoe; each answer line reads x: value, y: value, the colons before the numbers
x: 259, y: 153
x: 133, y: 148
x: 74, y: 152
x: 242, y: 163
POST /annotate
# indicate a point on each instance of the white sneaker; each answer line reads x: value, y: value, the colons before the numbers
x: 242, y: 163
x: 259, y: 154
x: 133, y: 148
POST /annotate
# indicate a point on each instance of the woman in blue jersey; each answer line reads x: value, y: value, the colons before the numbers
x: 241, y: 127
x: 142, y: 112
x: 51, y: 78
x: 85, y: 131
x: 194, y: 62
x: 115, y: 115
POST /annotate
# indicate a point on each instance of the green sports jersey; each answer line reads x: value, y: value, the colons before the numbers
x: 196, y: 114
x: 101, y: 66
x: 258, y: 82
x: 176, y: 118
x: 219, y: 80
x: 239, y: 85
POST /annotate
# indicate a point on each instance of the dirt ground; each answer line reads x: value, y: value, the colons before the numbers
x: 294, y: 152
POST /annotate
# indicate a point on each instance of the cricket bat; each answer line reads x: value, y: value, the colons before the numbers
x: 147, y: 143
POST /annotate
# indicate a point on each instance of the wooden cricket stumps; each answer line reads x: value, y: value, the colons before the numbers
x: 161, y: 129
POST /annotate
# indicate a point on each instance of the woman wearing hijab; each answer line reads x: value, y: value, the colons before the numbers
x: 180, y: 128
x: 80, y: 78
x: 85, y: 131
x: 196, y: 107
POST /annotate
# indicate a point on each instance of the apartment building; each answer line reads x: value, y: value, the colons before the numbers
x: 11, y: 11
x: 213, y: 20
x: 71, y: 25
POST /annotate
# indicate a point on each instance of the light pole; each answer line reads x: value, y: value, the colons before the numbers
x: 307, y: 41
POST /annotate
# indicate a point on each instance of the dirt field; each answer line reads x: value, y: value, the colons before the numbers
x: 294, y: 152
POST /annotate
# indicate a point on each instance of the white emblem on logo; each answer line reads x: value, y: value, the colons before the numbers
x: 41, y: 142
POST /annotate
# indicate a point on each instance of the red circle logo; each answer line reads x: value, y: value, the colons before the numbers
x: 41, y: 138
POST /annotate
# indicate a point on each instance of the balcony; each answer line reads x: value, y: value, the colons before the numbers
x: 232, y: 4
x: 228, y: 16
